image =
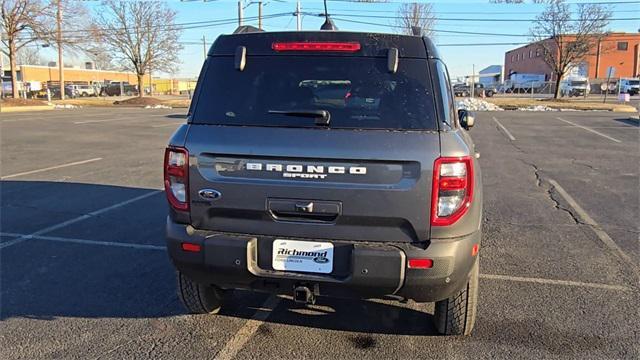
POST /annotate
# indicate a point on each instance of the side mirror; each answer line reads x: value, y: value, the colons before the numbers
x: 467, y: 119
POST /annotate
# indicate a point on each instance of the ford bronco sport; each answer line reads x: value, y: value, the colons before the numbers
x: 326, y: 163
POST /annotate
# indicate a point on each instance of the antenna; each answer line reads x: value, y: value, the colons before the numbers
x: 328, y: 23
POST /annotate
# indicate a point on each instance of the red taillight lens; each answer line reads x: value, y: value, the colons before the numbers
x: 452, y: 189
x: 316, y: 46
x: 420, y: 264
x: 189, y: 247
x: 176, y: 177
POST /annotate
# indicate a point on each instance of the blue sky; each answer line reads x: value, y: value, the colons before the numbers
x: 459, y: 59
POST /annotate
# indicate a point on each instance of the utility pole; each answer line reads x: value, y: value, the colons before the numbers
x: 240, y: 10
x: 298, y: 19
x: 473, y: 79
x: 260, y: 14
x: 59, y: 41
x: 204, y: 47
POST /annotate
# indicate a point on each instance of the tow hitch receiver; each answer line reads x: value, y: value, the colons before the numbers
x: 302, y: 295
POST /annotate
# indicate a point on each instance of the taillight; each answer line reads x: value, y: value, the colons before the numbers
x: 452, y: 189
x: 316, y: 46
x: 176, y: 177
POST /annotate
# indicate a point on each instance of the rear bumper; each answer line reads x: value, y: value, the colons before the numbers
x: 361, y: 270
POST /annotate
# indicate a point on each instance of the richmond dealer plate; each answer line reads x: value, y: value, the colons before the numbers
x: 303, y: 256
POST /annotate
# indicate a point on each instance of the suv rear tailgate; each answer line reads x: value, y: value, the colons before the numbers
x: 372, y: 185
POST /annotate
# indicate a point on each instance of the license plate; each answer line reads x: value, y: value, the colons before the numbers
x: 303, y: 256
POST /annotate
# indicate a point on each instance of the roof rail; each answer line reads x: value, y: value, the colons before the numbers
x: 244, y: 29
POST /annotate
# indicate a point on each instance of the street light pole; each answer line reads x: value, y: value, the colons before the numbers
x: 240, y: 10
x: 204, y: 47
x: 260, y: 14
x: 298, y: 19
x: 59, y: 41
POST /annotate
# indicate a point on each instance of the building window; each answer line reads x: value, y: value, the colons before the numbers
x: 518, y: 57
x: 538, y: 52
x: 623, y: 45
x: 530, y: 54
x: 513, y: 58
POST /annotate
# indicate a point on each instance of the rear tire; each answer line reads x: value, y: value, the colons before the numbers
x: 198, y: 298
x: 456, y: 315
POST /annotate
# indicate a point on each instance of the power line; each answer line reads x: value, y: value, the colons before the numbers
x: 471, y: 19
x: 466, y: 32
x: 461, y: 12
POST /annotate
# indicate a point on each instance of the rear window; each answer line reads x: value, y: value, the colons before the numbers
x: 358, y: 92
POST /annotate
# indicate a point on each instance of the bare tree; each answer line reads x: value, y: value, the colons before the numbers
x: 416, y: 15
x: 24, y: 22
x: 565, y: 41
x: 29, y: 55
x: 143, y: 36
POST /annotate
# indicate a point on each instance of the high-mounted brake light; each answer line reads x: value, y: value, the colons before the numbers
x: 452, y: 189
x: 176, y: 177
x: 316, y: 46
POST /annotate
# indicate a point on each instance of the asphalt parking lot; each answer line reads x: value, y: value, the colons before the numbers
x: 84, y: 273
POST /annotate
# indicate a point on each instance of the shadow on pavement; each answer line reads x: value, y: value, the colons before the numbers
x: 371, y: 317
x: 44, y: 279
x: 629, y: 121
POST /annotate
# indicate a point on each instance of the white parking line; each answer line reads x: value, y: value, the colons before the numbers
x: 240, y: 338
x: 589, y: 129
x: 602, y: 235
x: 511, y: 137
x: 88, y: 242
x: 103, y: 121
x: 76, y: 219
x: 555, y: 282
x: 50, y: 168
x: 171, y: 124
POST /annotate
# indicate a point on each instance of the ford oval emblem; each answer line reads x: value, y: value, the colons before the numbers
x: 210, y: 194
x: 321, y: 259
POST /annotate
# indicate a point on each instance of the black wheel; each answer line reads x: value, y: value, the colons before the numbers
x: 198, y: 298
x: 456, y: 315
x: 489, y: 93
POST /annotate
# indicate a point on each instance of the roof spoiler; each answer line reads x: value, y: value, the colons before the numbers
x: 244, y: 29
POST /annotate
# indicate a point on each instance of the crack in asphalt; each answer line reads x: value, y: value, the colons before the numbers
x: 551, y: 194
x: 575, y: 161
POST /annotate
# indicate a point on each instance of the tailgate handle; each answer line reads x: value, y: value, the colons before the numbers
x: 301, y: 210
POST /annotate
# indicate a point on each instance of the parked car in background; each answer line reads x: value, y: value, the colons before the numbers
x: 118, y: 88
x: 464, y: 90
x: 575, y: 86
x: 630, y: 86
x: 83, y: 90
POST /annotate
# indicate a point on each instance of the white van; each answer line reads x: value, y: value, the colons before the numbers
x: 575, y: 86
x: 630, y: 86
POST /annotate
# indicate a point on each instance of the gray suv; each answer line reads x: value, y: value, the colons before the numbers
x: 326, y: 164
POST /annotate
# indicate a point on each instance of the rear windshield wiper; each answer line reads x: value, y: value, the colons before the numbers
x: 321, y: 117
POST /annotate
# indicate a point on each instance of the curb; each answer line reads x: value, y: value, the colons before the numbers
x: 8, y: 109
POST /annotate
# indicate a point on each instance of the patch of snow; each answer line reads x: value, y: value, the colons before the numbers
x: 159, y: 106
x: 66, y: 106
x: 537, y: 108
x: 475, y: 104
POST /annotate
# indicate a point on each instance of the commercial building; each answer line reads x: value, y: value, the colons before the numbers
x: 620, y: 50
x: 27, y: 73
x: 490, y: 75
x: 49, y: 75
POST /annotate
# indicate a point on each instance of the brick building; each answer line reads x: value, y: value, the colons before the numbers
x: 620, y: 50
